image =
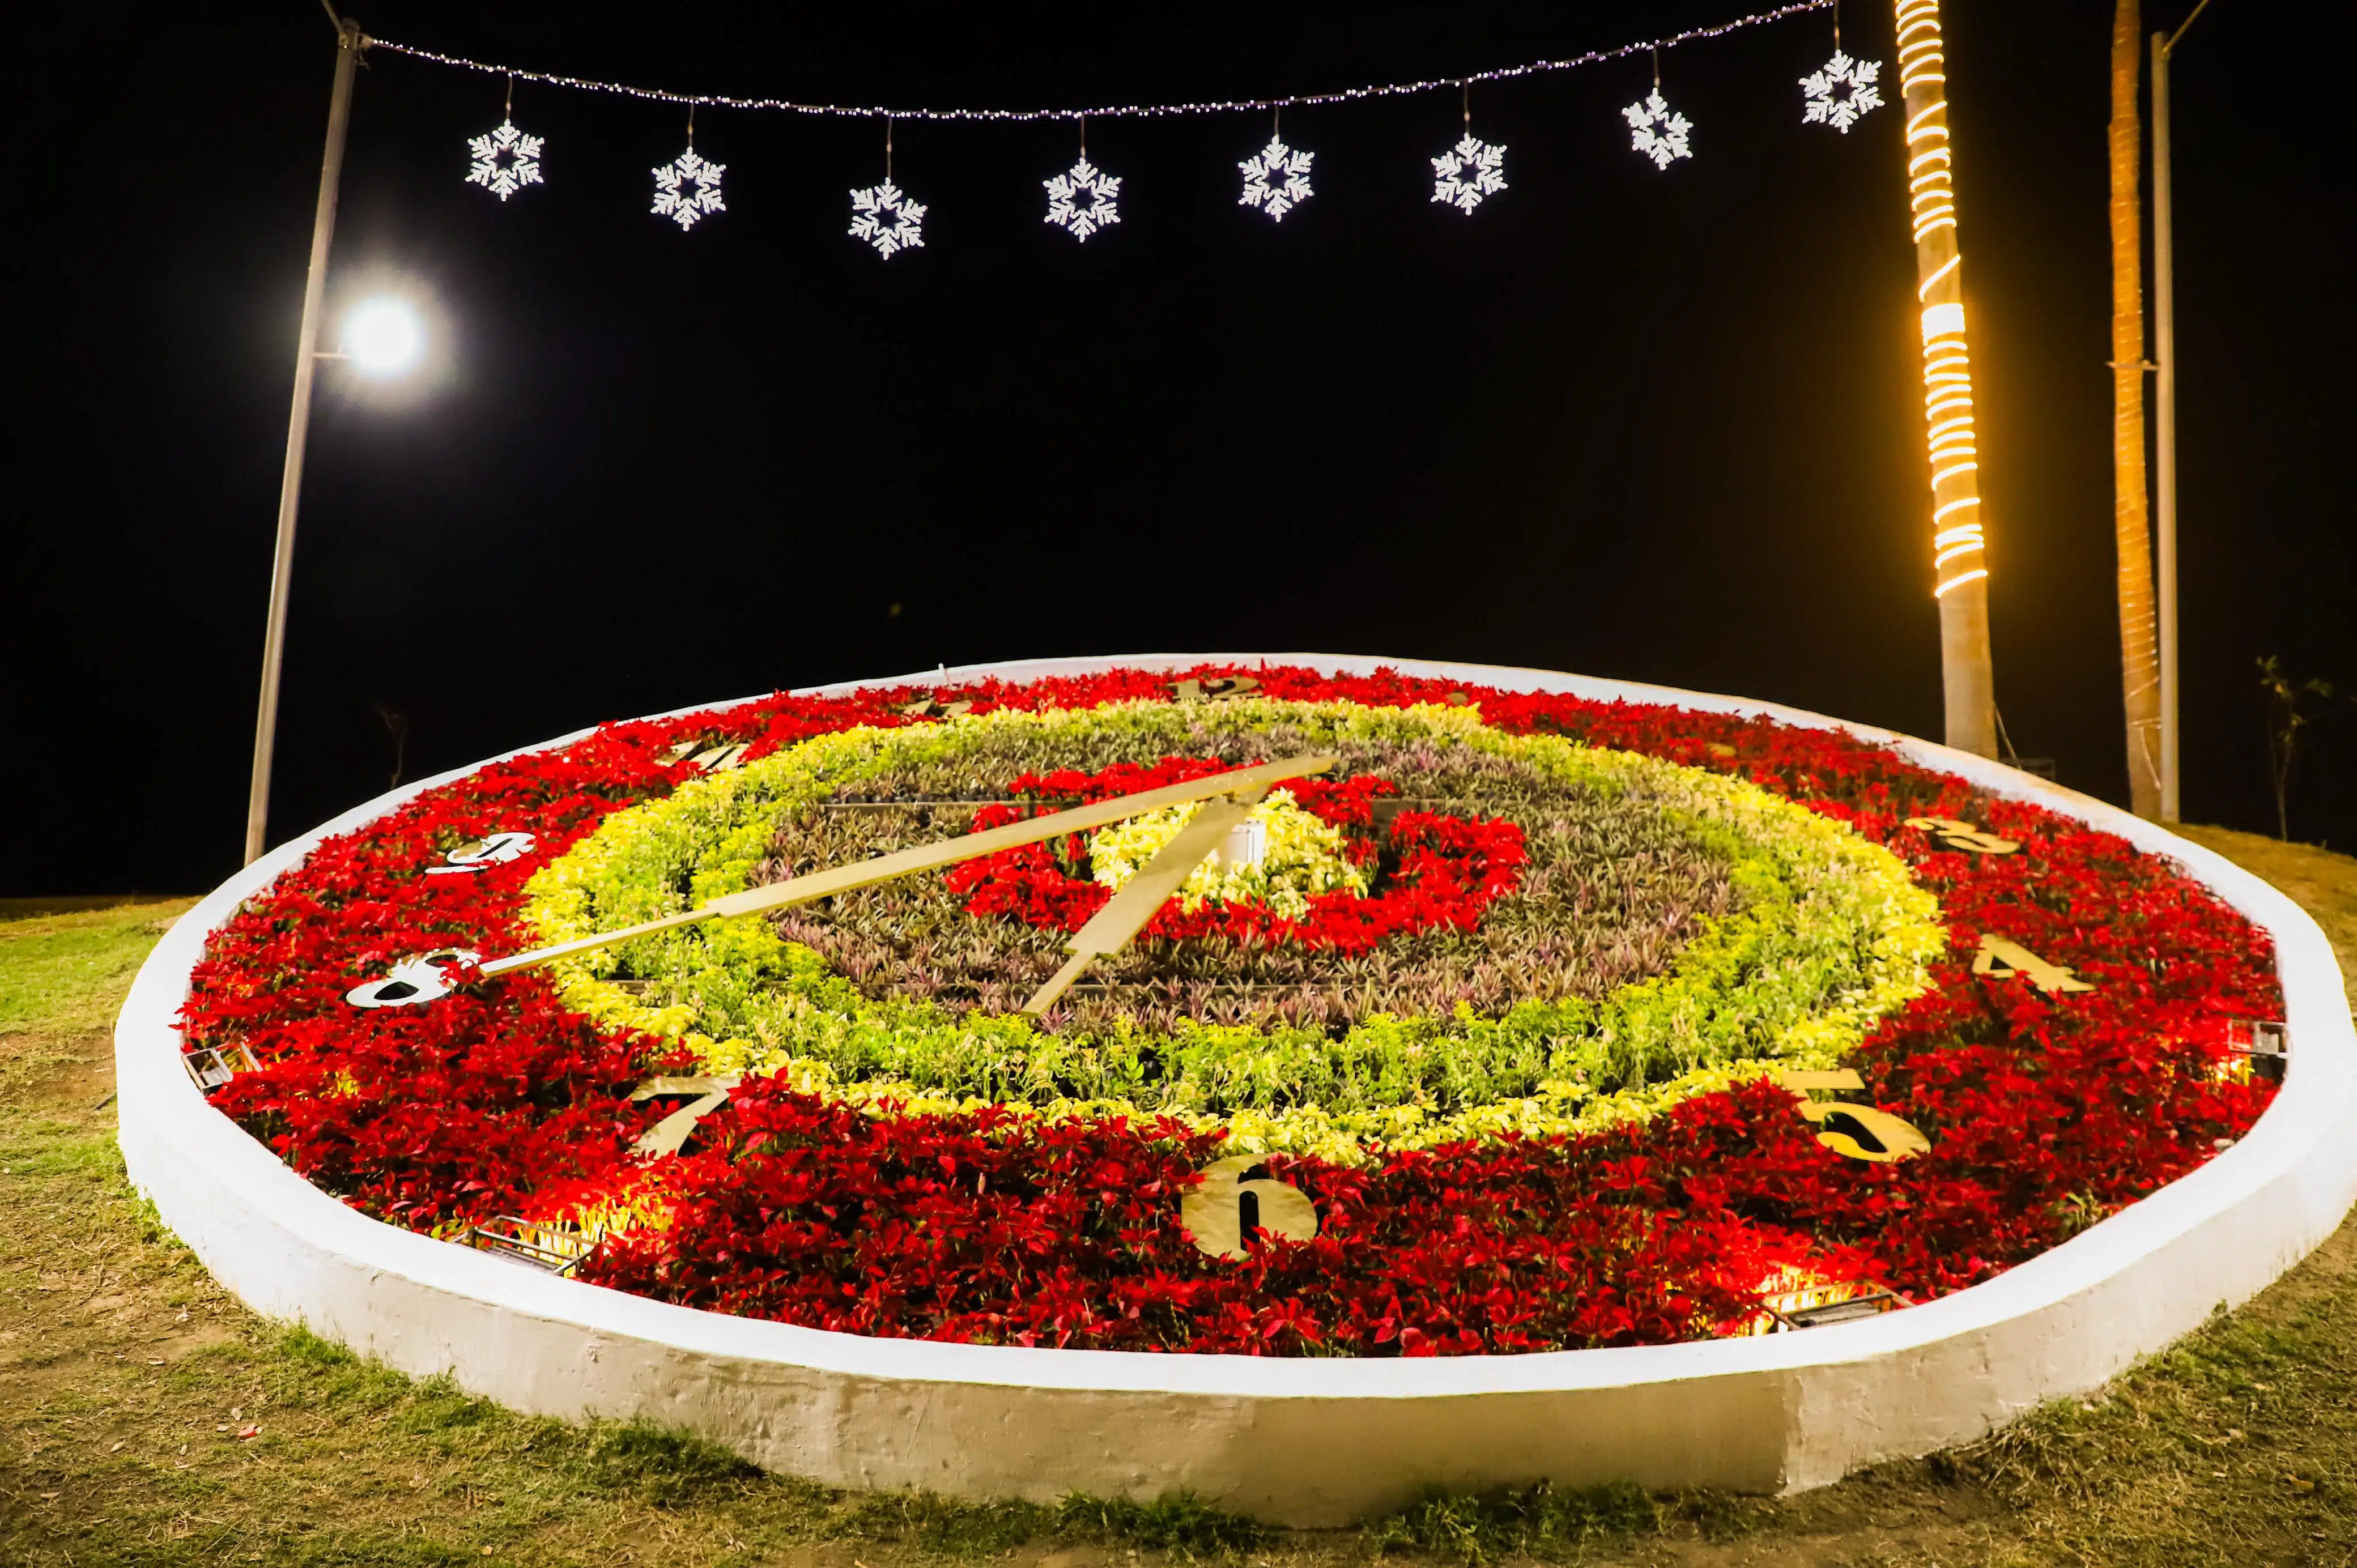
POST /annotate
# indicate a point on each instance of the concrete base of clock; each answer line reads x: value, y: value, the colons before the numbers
x: 1299, y: 1442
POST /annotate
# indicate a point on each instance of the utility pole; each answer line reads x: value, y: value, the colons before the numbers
x: 349, y: 42
x: 2164, y: 339
x: 1959, y: 566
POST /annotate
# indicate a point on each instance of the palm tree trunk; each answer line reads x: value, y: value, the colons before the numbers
x: 2139, y: 662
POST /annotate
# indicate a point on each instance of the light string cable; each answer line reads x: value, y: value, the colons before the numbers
x: 1120, y: 111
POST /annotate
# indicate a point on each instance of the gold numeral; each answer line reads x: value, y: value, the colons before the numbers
x: 1214, y: 689
x: 1229, y: 1202
x: 2002, y: 959
x: 1963, y: 835
x: 1858, y: 1131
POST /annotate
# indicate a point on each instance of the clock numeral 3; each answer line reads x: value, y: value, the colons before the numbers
x: 1235, y: 1197
x: 1963, y: 835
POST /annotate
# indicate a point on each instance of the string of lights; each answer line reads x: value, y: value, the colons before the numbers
x: 1114, y: 112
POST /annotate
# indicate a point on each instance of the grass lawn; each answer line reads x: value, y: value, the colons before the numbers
x: 145, y: 1417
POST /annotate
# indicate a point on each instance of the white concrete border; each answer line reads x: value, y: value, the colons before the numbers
x: 1297, y: 1441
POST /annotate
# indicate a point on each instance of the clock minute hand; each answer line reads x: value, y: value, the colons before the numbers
x: 1110, y: 928
x: 928, y: 857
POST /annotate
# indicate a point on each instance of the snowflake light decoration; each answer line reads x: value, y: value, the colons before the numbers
x: 1657, y: 132
x: 1467, y: 172
x: 676, y: 201
x: 885, y: 217
x: 1067, y: 207
x: 521, y: 168
x: 1824, y: 103
x: 1276, y: 180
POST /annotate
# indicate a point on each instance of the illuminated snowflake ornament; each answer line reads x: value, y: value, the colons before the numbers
x: 505, y: 160
x: 688, y: 189
x: 1276, y: 180
x: 1084, y: 199
x: 1658, y: 132
x: 885, y: 217
x: 1469, y: 172
x: 1823, y: 101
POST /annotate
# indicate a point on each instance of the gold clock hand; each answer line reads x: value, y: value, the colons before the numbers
x: 928, y: 857
x: 1112, y: 927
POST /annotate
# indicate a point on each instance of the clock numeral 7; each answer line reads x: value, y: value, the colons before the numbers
x: 1858, y: 1131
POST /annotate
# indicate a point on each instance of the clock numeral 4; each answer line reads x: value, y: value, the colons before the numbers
x: 2002, y: 959
x: 1855, y: 1132
x: 1235, y: 1197
x: 710, y: 758
x: 1963, y: 835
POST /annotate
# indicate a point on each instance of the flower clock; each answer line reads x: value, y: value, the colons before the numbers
x: 1242, y: 1011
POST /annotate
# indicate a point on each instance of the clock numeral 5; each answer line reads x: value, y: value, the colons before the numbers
x: 1963, y: 835
x: 1857, y: 1132
x: 2003, y: 959
x: 1234, y: 1197
x: 710, y: 758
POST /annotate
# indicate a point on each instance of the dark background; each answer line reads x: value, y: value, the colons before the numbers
x: 1661, y: 426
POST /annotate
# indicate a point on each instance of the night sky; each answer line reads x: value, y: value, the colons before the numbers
x: 1663, y: 426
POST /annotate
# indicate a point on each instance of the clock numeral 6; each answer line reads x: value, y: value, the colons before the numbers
x: 1963, y: 835
x: 1212, y: 690
x: 412, y: 981
x: 1857, y: 1132
x: 495, y: 850
x: 2003, y: 959
x: 1234, y: 1197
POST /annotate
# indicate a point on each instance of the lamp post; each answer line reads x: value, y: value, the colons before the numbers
x: 349, y: 42
x: 2164, y: 333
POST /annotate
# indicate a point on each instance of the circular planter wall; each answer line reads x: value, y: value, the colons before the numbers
x: 1300, y: 1441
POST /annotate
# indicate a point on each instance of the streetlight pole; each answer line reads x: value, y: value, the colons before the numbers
x: 2164, y: 333
x: 349, y: 42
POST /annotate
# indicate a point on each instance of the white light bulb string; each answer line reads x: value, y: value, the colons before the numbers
x: 1124, y: 110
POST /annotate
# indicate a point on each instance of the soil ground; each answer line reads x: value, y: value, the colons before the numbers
x: 145, y: 1417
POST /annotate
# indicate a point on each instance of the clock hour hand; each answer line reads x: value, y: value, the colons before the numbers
x: 932, y: 856
x: 1110, y: 927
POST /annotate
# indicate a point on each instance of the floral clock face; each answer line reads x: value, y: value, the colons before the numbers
x: 1522, y: 1023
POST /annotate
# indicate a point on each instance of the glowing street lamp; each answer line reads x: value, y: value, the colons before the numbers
x: 381, y: 337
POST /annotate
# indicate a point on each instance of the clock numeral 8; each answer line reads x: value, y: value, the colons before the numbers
x: 494, y: 850
x: 1234, y: 1197
x: 412, y: 981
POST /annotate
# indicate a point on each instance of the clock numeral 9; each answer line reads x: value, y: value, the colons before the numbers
x: 1857, y: 1132
x: 495, y: 850
x: 1234, y: 1197
x: 412, y: 981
